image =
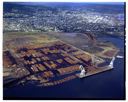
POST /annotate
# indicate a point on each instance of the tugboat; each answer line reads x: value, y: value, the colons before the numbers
x: 83, y: 72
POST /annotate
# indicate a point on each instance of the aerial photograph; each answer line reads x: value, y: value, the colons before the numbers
x: 64, y: 50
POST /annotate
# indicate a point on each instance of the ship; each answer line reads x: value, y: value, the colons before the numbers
x: 84, y: 71
x: 111, y: 63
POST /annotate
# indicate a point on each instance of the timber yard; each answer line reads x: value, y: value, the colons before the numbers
x: 48, y: 60
x: 54, y: 50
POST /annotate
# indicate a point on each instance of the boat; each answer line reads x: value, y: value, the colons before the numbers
x: 83, y: 72
x: 111, y: 63
x: 118, y: 56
